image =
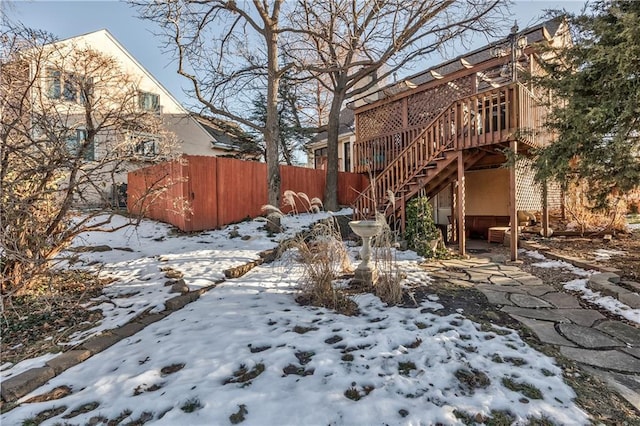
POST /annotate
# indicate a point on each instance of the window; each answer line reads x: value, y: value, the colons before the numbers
x: 70, y: 92
x: 144, y: 146
x: 320, y: 158
x: 68, y: 87
x: 147, y: 148
x: 149, y: 101
x: 347, y: 156
x: 86, y: 89
x: 78, y: 142
x: 53, y: 84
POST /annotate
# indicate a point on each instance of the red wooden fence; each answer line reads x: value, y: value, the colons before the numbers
x: 196, y: 193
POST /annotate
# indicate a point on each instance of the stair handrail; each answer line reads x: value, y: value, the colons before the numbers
x: 368, y: 193
x: 403, y: 153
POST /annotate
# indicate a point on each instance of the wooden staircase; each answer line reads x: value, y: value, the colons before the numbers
x: 429, y: 163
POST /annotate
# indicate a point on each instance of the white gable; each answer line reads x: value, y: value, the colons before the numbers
x: 103, y: 41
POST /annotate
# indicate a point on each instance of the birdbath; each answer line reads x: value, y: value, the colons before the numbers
x: 365, y: 272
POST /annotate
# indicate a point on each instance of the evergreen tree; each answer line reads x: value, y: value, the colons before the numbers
x: 292, y: 132
x: 595, y: 87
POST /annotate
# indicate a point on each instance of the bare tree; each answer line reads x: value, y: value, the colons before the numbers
x: 228, y: 51
x: 349, y: 45
x: 70, y: 126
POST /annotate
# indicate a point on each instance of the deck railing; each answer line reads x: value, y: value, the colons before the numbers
x: 494, y: 116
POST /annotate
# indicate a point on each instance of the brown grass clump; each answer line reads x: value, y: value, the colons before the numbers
x: 324, y: 258
x: 388, y: 287
x: 584, y: 219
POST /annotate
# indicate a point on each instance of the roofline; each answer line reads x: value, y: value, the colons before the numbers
x: 527, y: 30
x: 121, y: 47
x: 195, y: 117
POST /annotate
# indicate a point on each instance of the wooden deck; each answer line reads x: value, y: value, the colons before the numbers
x: 402, y: 163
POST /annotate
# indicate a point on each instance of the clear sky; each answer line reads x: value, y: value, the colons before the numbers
x: 70, y: 18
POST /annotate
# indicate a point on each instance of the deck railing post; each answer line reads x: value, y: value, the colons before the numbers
x: 460, y: 205
x: 513, y: 204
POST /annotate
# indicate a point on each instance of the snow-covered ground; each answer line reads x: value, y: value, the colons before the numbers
x: 137, y: 258
x: 246, y: 352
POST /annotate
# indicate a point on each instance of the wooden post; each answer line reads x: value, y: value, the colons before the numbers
x: 453, y: 221
x: 405, y: 113
x: 545, y: 209
x: 460, y: 205
x: 403, y: 213
x: 513, y: 204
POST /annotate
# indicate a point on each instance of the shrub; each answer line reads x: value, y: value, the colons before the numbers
x: 421, y: 232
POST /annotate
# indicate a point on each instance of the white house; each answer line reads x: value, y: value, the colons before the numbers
x: 192, y: 137
x: 68, y: 82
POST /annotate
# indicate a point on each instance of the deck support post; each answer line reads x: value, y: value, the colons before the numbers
x: 453, y: 217
x: 545, y: 209
x: 460, y: 205
x: 513, y: 203
x: 403, y: 213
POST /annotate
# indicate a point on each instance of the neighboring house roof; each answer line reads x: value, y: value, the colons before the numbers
x: 196, y: 138
x: 347, y: 122
x: 87, y: 37
x: 228, y: 135
x: 537, y: 33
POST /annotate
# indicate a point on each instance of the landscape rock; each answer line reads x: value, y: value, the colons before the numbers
x: 128, y: 329
x: 179, y: 287
x: 539, y: 290
x: 172, y: 273
x: 541, y: 314
x: 544, y: 330
x: 526, y: 301
x: 587, y: 337
x: 628, y: 334
x: 631, y: 299
x: 99, y: 343
x: 16, y: 387
x: 68, y: 359
x: 178, y: 302
x: 497, y: 297
x: 584, y: 317
x: 561, y: 300
x: 150, y: 318
x: 610, y: 359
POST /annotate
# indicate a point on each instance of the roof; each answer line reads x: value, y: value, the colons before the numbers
x: 120, y: 47
x: 534, y: 34
x: 347, y: 121
x: 227, y: 135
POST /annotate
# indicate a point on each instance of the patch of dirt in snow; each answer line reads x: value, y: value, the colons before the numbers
x: 622, y: 251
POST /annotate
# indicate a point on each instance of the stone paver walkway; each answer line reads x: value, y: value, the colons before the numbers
x: 607, y: 348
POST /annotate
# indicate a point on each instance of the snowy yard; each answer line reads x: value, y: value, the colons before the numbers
x: 246, y: 353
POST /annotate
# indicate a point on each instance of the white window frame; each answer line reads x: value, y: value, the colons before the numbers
x: 66, y: 86
x: 148, y: 101
x: 144, y: 146
x: 74, y: 142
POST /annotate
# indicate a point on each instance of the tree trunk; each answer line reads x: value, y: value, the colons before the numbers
x: 272, y: 130
x: 333, y: 129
